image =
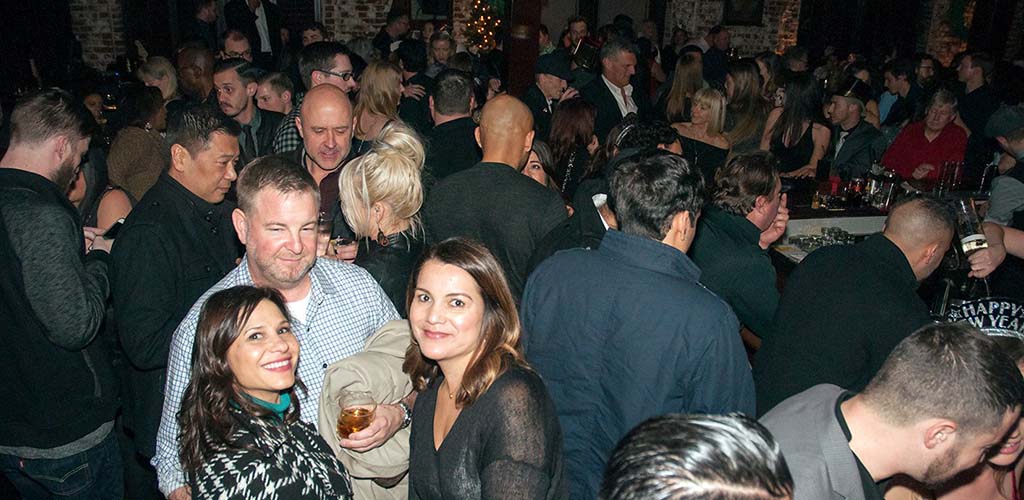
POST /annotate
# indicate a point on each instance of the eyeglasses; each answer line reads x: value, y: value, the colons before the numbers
x: 344, y: 75
x: 241, y: 55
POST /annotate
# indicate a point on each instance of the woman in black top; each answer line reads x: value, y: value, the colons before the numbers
x: 688, y: 77
x: 377, y: 105
x: 795, y: 133
x: 703, y: 140
x: 484, y: 426
x: 381, y: 193
x: 241, y: 436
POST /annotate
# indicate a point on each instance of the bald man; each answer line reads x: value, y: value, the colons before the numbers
x: 846, y: 307
x: 325, y: 125
x: 492, y: 202
x: 195, y: 70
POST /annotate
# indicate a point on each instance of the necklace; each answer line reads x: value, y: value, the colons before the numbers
x: 451, y: 395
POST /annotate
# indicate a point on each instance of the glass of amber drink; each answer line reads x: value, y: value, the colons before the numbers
x: 357, y: 408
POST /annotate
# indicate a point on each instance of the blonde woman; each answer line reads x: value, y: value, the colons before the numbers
x: 704, y: 142
x: 484, y: 425
x: 381, y: 91
x: 689, y: 78
x: 380, y: 194
x: 159, y: 72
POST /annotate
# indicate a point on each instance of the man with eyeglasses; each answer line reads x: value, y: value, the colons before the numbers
x: 319, y: 63
x: 235, y: 45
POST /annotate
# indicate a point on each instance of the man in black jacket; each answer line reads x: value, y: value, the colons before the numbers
x: 451, y: 146
x: 236, y: 84
x: 59, y: 393
x: 612, y: 93
x: 856, y: 144
x: 176, y: 244
x: 261, y: 23
x: 845, y: 308
x: 552, y: 87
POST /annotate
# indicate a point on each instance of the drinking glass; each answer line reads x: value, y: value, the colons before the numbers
x: 357, y: 409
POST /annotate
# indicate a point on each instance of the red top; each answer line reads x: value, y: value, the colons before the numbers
x: 911, y: 149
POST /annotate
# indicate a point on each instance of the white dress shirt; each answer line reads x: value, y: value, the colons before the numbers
x: 261, y: 26
x: 626, y: 103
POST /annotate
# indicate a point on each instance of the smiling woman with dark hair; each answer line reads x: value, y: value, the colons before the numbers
x: 484, y: 425
x: 241, y: 436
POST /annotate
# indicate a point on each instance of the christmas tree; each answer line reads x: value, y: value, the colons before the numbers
x: 482, y: 25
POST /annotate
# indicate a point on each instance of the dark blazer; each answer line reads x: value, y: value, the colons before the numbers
x: 451, y: 148
x: 538, y: 104
x: 584, y: 229
x: 816, y: 450
x: 173, y: 247
x: 608, y: 114
x: 238, y: 16
x: 865, y: 145
x: 844, y: 309
x: 269, y: 122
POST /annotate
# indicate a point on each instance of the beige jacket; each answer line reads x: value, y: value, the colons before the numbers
x: 377, y: 369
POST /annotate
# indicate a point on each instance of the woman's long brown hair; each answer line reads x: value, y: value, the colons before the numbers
x: 499, y: 347
x: 204, y: 422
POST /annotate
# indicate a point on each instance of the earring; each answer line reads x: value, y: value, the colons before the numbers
x: 382, y: 238
x: 149, y: 126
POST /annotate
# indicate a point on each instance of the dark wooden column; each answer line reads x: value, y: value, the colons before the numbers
x: 522, y: 45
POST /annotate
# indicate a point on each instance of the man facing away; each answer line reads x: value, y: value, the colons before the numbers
x: 59, y: 391
x: 334, y: 305
x: 626, y: 332
x: 839, y: 444
x: 845, y: 307
x: 746, y: 215
x: 491, y: 201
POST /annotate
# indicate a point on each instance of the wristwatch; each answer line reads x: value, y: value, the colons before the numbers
x: 407, y: 419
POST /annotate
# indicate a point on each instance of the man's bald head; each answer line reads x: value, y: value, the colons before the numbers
x: 922, y: 228
x: 195, y: 70
x: 505, y: 133
x: 325, y: 124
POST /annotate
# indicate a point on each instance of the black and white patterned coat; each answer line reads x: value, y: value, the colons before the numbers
x: 278, y: 461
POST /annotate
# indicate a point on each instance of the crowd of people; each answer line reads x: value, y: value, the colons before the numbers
x: 195, y: 280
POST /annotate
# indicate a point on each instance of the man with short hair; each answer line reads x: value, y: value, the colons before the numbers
x: 552, y: 86
x: 260, y: 21
x: 313, y: 32
x: 275, y: 93
x: 334, y: 306
x: 59, y: 391
x: 846, y: 306
x: 195, y: 74
x: 922, y: 147
x: 176, y: 244
x: 746, y: 215
x: 978, y: 101
x: 839, y: 444
x: 899, y: 81
x: 716, y: 56
x: 626, y: 332
x: 488, y: 201
x: 691, y: 457
x: 924, y: 70
x: 234, y: 44
x: 415, y: 110
x: 856, y: 144
x: 451, y: 145
x: 442, y: 47
x: 202, y: 26
x: 612, y: 93
x: 235, y: 80
x: 395, y: 27
x: 319, y: 62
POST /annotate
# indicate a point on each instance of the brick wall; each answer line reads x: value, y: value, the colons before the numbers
x: 99, y: 26
x: 348, y: 19
x: 779, y: 30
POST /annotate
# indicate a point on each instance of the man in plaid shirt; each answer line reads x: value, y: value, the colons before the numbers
x: 334, y: 305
